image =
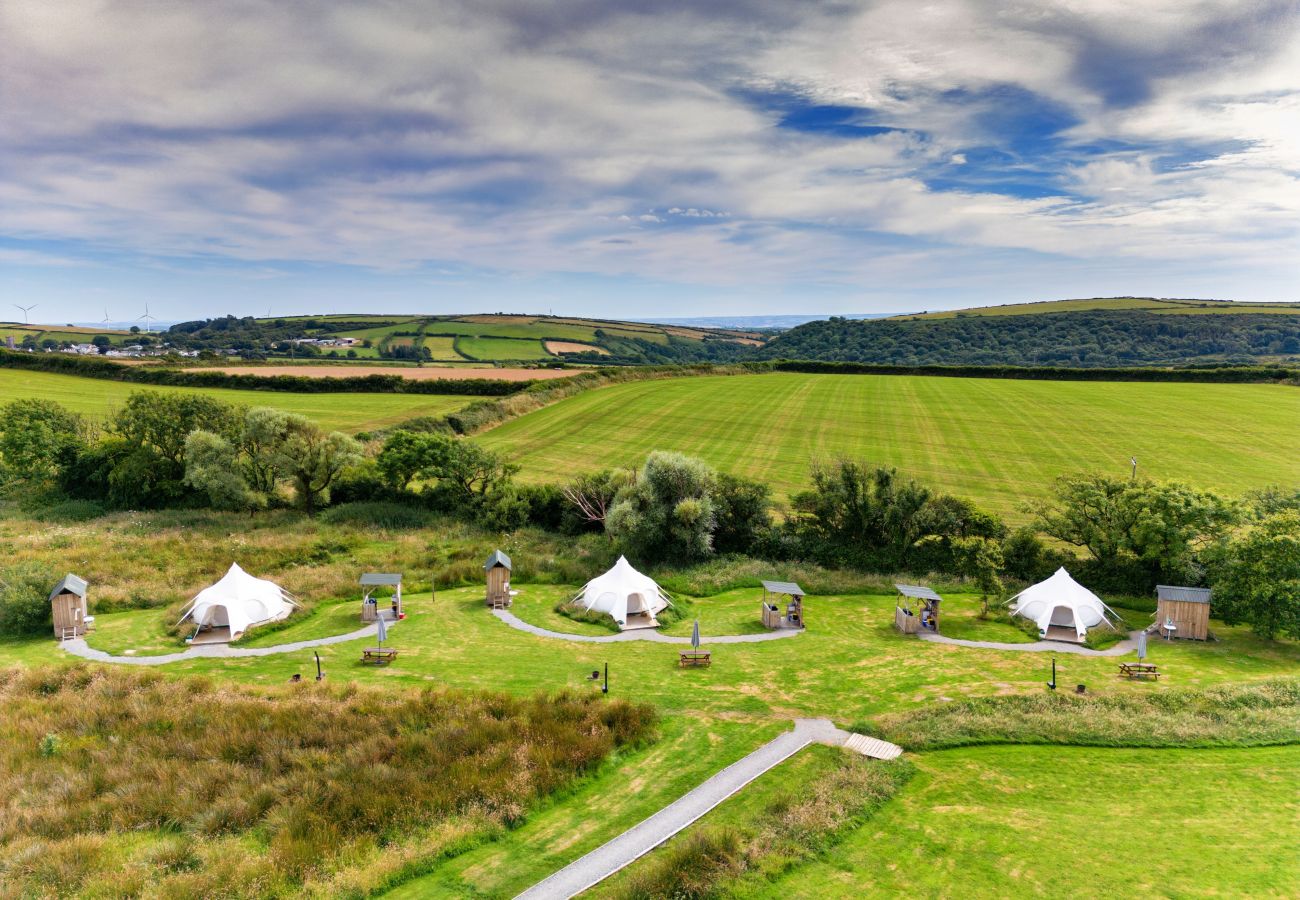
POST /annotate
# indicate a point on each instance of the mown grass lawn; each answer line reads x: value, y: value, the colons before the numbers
x: 999, y: 442
x: 98, y: 398
x: 849, y: 664
x: 1075, y: 821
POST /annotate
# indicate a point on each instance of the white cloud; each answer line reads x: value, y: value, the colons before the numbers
x: 402, y: 135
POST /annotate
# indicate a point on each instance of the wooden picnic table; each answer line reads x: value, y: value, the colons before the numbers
x: 378, y: 655
x: 1139, y: 670
x: 696, y: 658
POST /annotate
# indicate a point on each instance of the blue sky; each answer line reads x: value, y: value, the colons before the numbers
x: 639, y: 160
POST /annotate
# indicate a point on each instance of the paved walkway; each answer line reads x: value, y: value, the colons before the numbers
x: 639, y: 840
x: 640, y: 634
x: 1127, y: 645
x: 79, y: 647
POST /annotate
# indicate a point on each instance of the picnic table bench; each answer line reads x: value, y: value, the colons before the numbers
x: 696, y: 658
x: 378, y: 655
x: 1139, y: 670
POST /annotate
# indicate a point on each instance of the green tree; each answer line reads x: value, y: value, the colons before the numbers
x: 36, y: 437
x: 668, y: 512
x: 24, y: 601
x: 163, y: 421
x: 980, y: 559
x: 589, y: 497
x: 1163, y: 526
x: 861, y: 515
x: 743, y: 512
x: 408, y: 455
x: 313, y: 459
x: 1259, y: 577
x: 212, y: 465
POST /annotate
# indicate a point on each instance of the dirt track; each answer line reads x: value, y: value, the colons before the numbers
x: 426, y: 374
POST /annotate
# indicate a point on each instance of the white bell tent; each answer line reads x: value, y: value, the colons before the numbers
x: 631, y: 598
x: 238, y: 602
x: 1061, y: 602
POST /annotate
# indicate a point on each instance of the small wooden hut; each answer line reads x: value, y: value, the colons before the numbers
x: 1183, y: 612
x: 497, y: 569
x: 782, y: 604
x: 69, y: 609
x: 915, y: 608
x: 371, y: 608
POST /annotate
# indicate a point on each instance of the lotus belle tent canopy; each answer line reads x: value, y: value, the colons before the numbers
x: 1062, y: 608
x: 631, y: 598
x: 238, y: 602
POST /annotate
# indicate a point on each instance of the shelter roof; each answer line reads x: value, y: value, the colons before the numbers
x: 497, y: 559
x: 1185, y: 594
x: 783, y: 587
x: 386, y: 578
x: 917, y: 592
x: 69, y: 584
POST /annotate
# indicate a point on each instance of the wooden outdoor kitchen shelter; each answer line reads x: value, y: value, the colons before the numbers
x: 772, y: 613
x: 916, y: 607
x: 370, y: 608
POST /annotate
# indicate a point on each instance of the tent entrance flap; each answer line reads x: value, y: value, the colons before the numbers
x: 1063, y: 616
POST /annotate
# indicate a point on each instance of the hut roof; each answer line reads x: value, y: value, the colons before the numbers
x: 1185, y: 594
x: 917, y: 592
x: 70, y: 584
x: 497, y: 559
x: 783, y: 587
x: 387, y: 578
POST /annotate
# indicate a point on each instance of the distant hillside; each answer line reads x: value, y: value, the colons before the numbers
x: 1099, y: 304
x: 1133, y: 337
x: 466, y: 339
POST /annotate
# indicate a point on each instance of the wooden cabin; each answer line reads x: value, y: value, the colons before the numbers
x: 497, y: 569
x: 69, y: 608
x: 1183, y: 612
x: 373, y: 607
x: 916, y: 608
x: 782, y: 605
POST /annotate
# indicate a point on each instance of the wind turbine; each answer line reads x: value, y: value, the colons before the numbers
x: 146, y: 318
x: 26, y: 310
x: 105, y: 320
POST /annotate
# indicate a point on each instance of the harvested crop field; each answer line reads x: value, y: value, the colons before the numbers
x: 558, y: 347
x: 416, y: 374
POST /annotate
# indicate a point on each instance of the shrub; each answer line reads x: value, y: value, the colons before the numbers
x: 387, y: 515
x: 25, y: 600
x: 70, y: 511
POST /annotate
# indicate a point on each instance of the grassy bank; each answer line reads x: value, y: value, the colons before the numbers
x: 1224, y: 716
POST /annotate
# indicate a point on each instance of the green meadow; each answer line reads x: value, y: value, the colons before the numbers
x: 494, y: 348
x: 1000, y: 442
x: 98, y: 398
x: 1145, y: 304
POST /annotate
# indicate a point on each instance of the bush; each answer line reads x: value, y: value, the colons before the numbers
x: 389, y: 516
x: 70, y: 511
x: 25, y: 601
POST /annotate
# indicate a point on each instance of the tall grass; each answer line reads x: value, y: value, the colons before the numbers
x: 1240, y: 715
x: 126, y: 779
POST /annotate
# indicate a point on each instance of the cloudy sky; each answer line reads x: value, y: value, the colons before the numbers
x: 643, y: 159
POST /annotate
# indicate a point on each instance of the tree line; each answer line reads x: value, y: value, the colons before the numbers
x: 1120, y: 536
x: 1088, y: 339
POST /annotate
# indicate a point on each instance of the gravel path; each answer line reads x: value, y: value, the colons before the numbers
x: 640, y: 634
x: 634, y: 843
x: 79, y: 647
x: 1125, y: 646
